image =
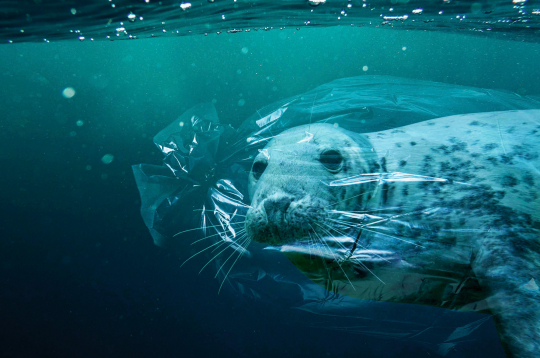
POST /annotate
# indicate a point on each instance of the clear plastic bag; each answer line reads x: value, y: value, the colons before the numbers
x: 409, y: 212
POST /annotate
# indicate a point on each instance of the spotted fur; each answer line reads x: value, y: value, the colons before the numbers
x: 492, y: 166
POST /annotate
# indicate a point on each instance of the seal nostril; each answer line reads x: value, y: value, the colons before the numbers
x: 280, y: 204
x: 268, y: 206
x: 284, y: 203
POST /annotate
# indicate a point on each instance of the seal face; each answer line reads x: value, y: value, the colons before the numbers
x: 288, y: 183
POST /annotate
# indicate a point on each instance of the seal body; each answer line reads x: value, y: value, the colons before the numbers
x: 444, y: 212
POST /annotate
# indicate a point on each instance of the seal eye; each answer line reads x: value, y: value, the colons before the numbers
x: 258, y: 169
x: 332, y: 160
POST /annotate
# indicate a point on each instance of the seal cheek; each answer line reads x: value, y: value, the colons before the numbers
x: 306, y: 213
x: 256, y: 224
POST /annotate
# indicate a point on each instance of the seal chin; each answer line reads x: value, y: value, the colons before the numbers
x: 280, y: 219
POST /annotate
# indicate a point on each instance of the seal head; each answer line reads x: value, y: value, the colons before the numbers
x: 288, y: 183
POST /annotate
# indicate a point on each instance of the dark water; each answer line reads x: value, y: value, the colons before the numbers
x: 79, y: 274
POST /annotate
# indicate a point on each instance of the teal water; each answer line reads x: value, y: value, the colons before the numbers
x: 82, y: 277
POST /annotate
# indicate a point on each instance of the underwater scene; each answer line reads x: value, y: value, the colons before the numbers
x: 252, y: 178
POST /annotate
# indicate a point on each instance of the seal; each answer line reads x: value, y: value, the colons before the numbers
x: 444, y: 212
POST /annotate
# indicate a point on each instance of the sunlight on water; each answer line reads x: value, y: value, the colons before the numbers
x: 123, y: 20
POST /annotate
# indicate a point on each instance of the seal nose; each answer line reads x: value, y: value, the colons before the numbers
x: 277, y: 205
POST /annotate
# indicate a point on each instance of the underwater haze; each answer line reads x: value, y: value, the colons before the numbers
x: 79, y: 273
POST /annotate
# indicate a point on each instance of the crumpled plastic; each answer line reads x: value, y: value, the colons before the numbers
x: 197, y: 199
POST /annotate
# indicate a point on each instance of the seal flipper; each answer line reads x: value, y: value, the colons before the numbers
x: 512, y: 278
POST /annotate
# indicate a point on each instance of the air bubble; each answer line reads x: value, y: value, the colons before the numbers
x: 316, y: 2
x: 132, y: 17
x: 365, y: 68
x: 68, y: 92
x: 107, y: 158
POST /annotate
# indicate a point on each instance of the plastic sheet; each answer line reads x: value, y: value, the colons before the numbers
x: 436, y: 204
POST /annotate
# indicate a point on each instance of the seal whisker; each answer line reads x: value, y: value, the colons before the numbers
x: 310, y: 244
x: 331, y: 253
x: 329, y: 233
x: 362, y: 246
x: 395, y: 217
x: 197, y: 228
x: 320, y: 253
x: 393, y: 237
x: 192, y: 256
x: 218, y: 233
x: 219, y: 253
x: 357, y: 260
x: 371, y: 272
x: 368, y: 211
x: 363, y: 227
x: 239, y: 256
x: 206, y: 237
x: 244, y: 239
x: 349, y: 198
x: 345, y: 223
x: 240, y: 232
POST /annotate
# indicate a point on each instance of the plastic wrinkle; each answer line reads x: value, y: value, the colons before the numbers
x: 382, y: 178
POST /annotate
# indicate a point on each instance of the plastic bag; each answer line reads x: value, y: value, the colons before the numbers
x: 417, y: 193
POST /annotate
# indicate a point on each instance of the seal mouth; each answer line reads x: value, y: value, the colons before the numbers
x: 280, y: 219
